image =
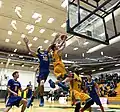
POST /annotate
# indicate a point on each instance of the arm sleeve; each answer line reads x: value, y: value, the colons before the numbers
x: 9, y: 83
x: 19, y: 85
x: 39, y: 56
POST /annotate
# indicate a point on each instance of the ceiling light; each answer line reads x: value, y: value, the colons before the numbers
x: 63, y: 25
x: 96, y: 48
x: 20, y: 56
x: 102, y: 53
x: 11, y: 54
x: 12, y: 64
x: 32, y: 67
x: 101, y: 35
x: 101, y: 68
x: 29, y: 53
x: 15, y: 50
x: 35, y: 38
x: 46, y: 41
x: 23, y: 35
x: 13, y: 24
x: 9, y: 32
x: 80, y: 68
x: 1, y: 63
x: 54, y: 34
x: 42, y: 30
x: 40, y: 47
x: 7, y: 40
x: 50, y: 20
x: 86, y: 43
x: 22, y: 65
x: 29, y: 45
x: 37, y: 16
x: 117, y: 65
x: 93, y: 70
x: 66, y: 55
x: 64, y: 3
x: 19, y: 42
x: 0, y: 4
x: 83, y: 55
x: 18, y: 10
x: 75, y: 49
x: 30, y: 28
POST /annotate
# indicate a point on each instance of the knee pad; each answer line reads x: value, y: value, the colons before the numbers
x: 78, y: 106
x: 42, y: 82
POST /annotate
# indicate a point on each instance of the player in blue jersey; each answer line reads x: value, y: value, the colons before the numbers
x: 44, y: 59
x: 93, y: 90
x: 29, y: 92
x: 13, y: 87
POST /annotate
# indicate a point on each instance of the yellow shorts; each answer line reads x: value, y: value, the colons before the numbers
x: 59, y: 69
x: 79, y: 96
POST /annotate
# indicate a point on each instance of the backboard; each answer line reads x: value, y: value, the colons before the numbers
x: 88, y: 19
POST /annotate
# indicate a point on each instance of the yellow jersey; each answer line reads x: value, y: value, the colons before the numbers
x: 59, y: 67
x: 76, y: 91
x: 76, y: 83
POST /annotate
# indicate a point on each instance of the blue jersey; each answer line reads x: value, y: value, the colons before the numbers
x: 91, y: 87
x: 29, y: 93
x: 14, y: 86
x: 44, y: 61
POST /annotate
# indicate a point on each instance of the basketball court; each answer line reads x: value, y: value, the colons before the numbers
x: 92, y: 47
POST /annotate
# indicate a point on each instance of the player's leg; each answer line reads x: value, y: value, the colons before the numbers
x: 23, y: 102
x: 96, y: 99
x: 76, y: 100
x: 7, y: 109
x: 88, y: 104
x: 84, y: 97
x: 41, y: 93
x: 60, y: 74
x: 33, y: 96
x: 59, y: 83
x: 102, y: 108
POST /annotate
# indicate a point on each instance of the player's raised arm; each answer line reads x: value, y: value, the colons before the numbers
x: 28, y: 48
x: 63, y: 44
x: 56, y: 37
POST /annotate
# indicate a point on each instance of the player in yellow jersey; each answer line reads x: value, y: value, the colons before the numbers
x: 77, y: 93
x: 59, y: 67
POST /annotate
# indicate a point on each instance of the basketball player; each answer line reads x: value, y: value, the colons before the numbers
x: 13, y: 87
x: 44, y: 59
x: 29, y: 92
x: 77, y: 93
x: 93, y: 90
x: 59, y: 67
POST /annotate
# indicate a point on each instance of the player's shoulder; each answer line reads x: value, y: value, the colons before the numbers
x: 10, y: 80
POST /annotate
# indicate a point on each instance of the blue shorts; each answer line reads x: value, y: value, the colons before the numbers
x: 42, y: 76
x: 96, y: 98
x: 13, y: 101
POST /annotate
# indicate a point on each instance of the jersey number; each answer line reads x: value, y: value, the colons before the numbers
x: 16, y: 88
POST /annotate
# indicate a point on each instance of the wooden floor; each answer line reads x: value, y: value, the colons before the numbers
x: 57, y: 107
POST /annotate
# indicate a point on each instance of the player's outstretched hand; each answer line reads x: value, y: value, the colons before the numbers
x: 26, y: 40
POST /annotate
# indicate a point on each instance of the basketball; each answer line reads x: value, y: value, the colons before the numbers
x: 63, y: 37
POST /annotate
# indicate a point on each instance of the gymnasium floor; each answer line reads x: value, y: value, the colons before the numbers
x: 57, y: 107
